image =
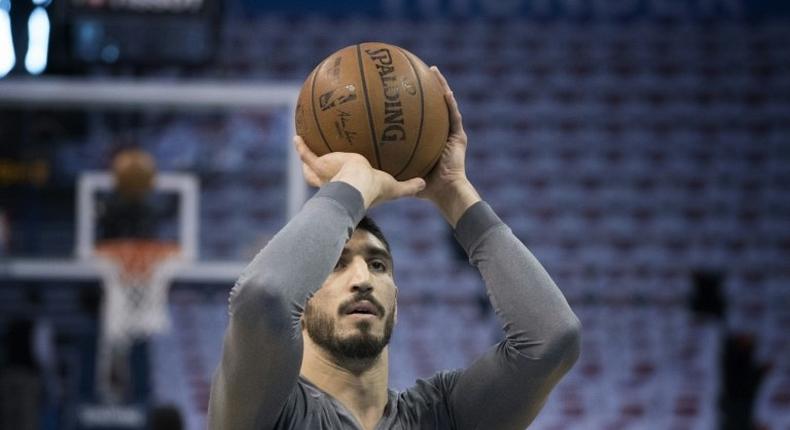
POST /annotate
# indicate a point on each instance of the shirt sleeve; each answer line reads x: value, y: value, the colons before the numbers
x: 262, y: 350
x: 507, y: 386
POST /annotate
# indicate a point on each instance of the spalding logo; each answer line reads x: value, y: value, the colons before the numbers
x: 393, y: 111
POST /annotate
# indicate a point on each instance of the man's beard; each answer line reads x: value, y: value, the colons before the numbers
x: 360, y: 346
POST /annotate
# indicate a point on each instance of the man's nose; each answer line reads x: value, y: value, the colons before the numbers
x: 360, y: 276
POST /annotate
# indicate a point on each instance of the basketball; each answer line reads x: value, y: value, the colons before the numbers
x: 134, y: 171
x: 377, y: 100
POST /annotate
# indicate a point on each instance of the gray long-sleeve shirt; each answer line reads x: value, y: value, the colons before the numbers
x: 257, y: 385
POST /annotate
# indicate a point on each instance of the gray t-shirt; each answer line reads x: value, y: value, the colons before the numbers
x: 257, y: 384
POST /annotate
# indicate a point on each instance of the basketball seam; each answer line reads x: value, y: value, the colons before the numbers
x: 367, y: 106
x: 315, y: 112
x: 422, y: 111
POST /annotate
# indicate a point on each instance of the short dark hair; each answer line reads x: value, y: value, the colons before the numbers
x: 370, y: 226
x: 165, y: 417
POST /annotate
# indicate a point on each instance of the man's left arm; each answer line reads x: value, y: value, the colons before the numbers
x: 507, y: 386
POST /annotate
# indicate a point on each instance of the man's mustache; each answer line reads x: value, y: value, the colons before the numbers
x: 359, y: 297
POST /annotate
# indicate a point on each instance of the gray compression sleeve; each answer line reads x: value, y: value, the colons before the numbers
x: 507, y: 386
x: 262, y: 351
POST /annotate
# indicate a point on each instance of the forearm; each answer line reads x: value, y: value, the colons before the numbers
x: 263, y: 345
x: 296, y: 261
x: 455, y: 199
x: 537, y: 319
x: 507, y: 386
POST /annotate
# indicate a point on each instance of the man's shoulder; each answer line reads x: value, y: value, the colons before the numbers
x: 427, y: 403
x: 430, y: 391
x: 441, y: 382
x: 424, y: 391
x: 309, y: 407
x: 310, y: 396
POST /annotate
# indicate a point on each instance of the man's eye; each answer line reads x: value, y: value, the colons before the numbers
x: 378, y: 266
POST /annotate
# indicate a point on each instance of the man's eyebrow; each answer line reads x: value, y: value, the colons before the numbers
x: 375, y: 251
x: 371, y: 251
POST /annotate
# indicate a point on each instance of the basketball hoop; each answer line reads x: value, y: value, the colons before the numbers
x: 137, y: 257
x: 136, y: 276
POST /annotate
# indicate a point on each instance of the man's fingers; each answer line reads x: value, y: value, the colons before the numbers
x: 307, y: 156
x: 311, y: 164
x: 408, y: 188
x: 440, y: 77
x: 456, y: 120
x: 310, y: 176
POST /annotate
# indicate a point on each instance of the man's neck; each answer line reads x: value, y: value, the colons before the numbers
x: 361, y: 387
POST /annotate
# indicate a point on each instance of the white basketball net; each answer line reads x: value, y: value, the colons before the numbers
x: 136, y: 279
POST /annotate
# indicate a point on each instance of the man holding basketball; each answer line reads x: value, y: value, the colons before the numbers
x: 310, y: 318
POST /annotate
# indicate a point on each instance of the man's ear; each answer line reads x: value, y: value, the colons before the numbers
x: 396, y: 306
x: 301, y: 317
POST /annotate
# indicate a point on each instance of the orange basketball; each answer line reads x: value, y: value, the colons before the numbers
x: 134, y: 171
x: 377, y: 100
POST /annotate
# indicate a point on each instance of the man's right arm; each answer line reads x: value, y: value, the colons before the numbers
x: 262, y: 349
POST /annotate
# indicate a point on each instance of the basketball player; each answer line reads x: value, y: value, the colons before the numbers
x: 310, y: 318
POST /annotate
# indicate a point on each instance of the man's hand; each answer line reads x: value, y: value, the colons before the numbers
x: 376, y: 186
x: 447, y: 184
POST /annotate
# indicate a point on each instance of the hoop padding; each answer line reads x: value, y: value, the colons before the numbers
x: 136, y: 277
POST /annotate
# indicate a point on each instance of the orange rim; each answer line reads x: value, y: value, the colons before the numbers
x: 137, y: 258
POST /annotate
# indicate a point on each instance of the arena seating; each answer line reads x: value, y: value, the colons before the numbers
x: 625, y: 156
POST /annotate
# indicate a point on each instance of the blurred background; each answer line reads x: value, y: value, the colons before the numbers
x: 641, y: 149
